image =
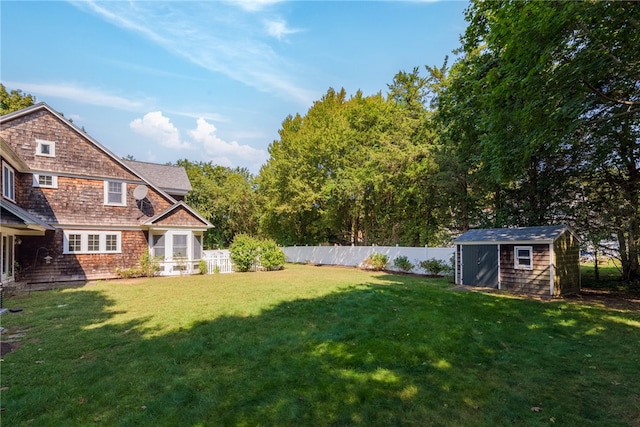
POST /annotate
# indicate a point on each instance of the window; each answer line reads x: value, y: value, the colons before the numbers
x: 523, y: 256
x: 115, y: 193
x: 197, y: 247
x: 158, y: 245
x: 45, y: 181
x: 8, y: 182
x: 111, y: 242
x: 45, y: 148
x: 88, y: 242
x: 179, y: 246
x: 93, y: 244
x: 75, y: 243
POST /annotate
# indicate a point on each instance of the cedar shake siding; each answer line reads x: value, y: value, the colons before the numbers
x: 534, y: 281
x: 89, y: 227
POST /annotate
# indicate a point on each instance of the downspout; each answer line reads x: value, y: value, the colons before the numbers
x: 551, y: 269
x: 499, y: 269
x: 458, y: 261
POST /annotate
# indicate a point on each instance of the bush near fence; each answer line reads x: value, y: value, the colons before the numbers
x: 354, y: 256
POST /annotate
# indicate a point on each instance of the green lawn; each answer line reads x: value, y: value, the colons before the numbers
x: 315, y: 346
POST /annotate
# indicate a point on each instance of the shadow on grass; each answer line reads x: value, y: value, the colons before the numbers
x: 402, y: 353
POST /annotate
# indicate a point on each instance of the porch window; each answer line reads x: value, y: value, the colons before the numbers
x: 8, y: 182
x: 180, y: 246
x: 197, y: 247
x: 158, y: 246
x: 523, y: 257
x: 115, y: 193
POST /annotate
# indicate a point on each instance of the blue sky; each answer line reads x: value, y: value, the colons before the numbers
x: 211, y: 81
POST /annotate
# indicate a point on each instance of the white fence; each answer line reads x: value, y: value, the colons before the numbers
x: 218, y: 260
x: 354, y: 255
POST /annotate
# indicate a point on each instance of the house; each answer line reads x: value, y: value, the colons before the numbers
x: 72, y: 210
x: 540, y: 260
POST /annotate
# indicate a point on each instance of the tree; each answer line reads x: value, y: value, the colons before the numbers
x: 14, y: 100
x: 559, y: 109
x: 225, y: 197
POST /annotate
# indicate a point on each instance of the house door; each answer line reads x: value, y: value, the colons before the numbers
x: 480, y: 265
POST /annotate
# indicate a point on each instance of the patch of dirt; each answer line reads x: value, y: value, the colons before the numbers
x: 8, y: 347
x: 608, y: 299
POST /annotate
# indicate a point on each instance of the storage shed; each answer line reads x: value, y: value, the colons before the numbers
x: 542, y: 260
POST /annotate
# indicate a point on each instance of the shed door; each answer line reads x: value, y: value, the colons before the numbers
x: 480, y: 265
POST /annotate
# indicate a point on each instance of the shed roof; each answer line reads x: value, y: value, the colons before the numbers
x: 541, y: 234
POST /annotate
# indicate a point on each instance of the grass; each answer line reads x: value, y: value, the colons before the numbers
x: 315, y: 346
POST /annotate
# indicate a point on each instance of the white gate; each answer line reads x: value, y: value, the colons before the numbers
x: 218, y: 261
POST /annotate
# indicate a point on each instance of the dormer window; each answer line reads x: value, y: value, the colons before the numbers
x: 45, y: 148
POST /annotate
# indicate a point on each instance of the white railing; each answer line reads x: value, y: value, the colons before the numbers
x: 218, y: 261
x: 354, y: 255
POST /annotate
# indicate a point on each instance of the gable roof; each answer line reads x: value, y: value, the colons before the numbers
x: 172, y: 179
x: 538, y: 234
x: 175, y: 208
x: 43, y: 106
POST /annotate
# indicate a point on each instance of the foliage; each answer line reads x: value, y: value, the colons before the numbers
x: 244, y: 252
x: 148, y: 266
x: 225, y: 197
x: 248, y: 252
x: 354, y: 170
x: 271, y: 256
x: 375, y: 261
x: 328, y: 346
x: 14, y: 100
x: 435, y: 266
x: 202, y: 267
x: 403, y: 263
x: 544, y: 119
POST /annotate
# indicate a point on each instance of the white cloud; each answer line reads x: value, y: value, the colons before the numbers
x: 226, y: 153
x: 77, y: 93
x: 253, y: 5
x: 215, y: 36
x: 278, y: 29
x: 159, y: 128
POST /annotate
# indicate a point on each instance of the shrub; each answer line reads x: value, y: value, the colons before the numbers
x: 435, y: 266
x: 376, y: 262
x: 244, y: 252
x: 148, y: 266
x: 403, y: 263
x: 271, y: 256
x: 202, y: 266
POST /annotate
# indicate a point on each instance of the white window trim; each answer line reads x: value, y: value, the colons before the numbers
x: 12, y: 172
x: 84, y: 242
x: 51, y: 144
x: 36, y: 180
x: 123, y: 196
x: 516, y: 262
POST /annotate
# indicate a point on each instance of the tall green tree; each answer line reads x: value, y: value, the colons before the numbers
x: 559, y: 109
x: 225, y: 197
